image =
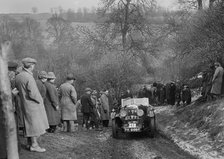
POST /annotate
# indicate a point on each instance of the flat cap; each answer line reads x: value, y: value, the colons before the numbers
x: 70, y: 76
x: 88, y: 89
x: 12, y: 65
x: 28, y: 60
x: 42, y: 74
x: 51, y: 75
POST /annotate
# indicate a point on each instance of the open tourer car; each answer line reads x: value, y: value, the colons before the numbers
x: 134, y: 115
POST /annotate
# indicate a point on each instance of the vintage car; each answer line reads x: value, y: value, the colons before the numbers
x: 134, y: 115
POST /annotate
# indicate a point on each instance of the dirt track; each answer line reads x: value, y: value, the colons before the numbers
x: 100, y: 145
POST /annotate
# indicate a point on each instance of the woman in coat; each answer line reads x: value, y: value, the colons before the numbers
x: 217, y: 80
x: 68, y: 99
x: 34, y: 114
x: 51, y: 103
x: 105, y: 108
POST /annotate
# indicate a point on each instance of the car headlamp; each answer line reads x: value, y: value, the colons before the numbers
x: 123, y: 113
x: 140, y: 112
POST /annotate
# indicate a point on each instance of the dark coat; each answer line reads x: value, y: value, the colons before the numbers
x: 186, y: 95
x: 172, y: 93
x: 162, y: 94
x: 168, y: 93
x: 87, y: 105
x: 50, y: 103
x: 42, y: 88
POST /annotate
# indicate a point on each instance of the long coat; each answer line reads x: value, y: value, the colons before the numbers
x: 42, y: 88
x: 68, y: 99
x: 217, y: 81
x: 186, y: 95
x: 104, y: 100
x: 51, y: 102
x: 34, y: 114
x: 87, y: 104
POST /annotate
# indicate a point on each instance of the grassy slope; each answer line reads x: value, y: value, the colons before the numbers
x: 207, y: 117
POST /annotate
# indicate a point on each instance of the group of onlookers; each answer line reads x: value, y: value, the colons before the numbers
x: 40, y: 106
x: 172, y: 93
x: 95, y: 109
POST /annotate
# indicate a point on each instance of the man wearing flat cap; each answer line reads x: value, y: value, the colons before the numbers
x: 87, y: 107
x: 68, y: 100
x: 34, y: 114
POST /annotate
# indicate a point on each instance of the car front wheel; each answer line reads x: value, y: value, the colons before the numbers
x: 114, y: 129
x: 152, y: 130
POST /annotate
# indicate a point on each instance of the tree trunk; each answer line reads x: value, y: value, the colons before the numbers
x: 200, y: 5
x: 124, y: 30
x: 6, y: 105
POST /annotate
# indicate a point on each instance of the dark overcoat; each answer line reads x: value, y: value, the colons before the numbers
x: 42, y: 88
x: 172, y: 93
x: 186, y: 95
x: 87, y: 105
x: 51, y: 102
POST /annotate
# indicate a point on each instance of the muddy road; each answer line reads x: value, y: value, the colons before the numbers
x: 100, y: 145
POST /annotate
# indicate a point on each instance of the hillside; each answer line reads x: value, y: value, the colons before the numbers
x: 197, y: 128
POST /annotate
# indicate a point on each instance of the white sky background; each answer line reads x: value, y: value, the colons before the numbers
x: 24, y: 6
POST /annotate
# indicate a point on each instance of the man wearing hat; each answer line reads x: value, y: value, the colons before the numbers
x: 34, y: 114
x: 42, y: 78
x: 217, y: 81
x: 68, y: 100
x: 87, y: 107
x: 104, y: 100
x: 51, y: 103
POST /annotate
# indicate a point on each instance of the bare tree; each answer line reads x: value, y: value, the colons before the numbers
x: 131, y: 23
x: 60, y: 30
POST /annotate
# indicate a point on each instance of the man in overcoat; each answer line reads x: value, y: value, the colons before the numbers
x: 217, y: 80
x: 68, y: 100
x: 34, y: 114
x: 51, y: 102
x: 105, y: 110
x: 186, y: 95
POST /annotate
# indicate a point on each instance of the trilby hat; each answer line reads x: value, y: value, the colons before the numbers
x: 70, y: 76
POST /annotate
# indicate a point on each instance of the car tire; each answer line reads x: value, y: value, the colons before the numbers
x: 114, y: 129
x: 152, y: 131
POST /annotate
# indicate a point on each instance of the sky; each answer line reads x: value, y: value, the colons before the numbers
x: 24, y: 6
